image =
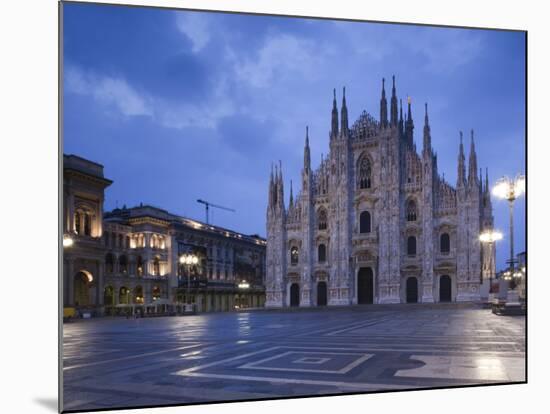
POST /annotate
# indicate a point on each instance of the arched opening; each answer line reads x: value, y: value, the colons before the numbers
x: 411, y: 210
x: 82, y: 281
x: 365, y: 286
x: 109, y: 263
x: 138, y: 295
x: 364, y: 222
x: 109, y: 296
x: 123, y: 264
x: 294, y: 255
x: 411, y: 246
x: 322, y: 253
x: 156, y: 292
x: 87, y: 224
x: 295, y: 294
x: 139, y: 266
x: 322, y: 294
x: 124, y: 295
x: 156, y: 266
x: 445, y: 291
x: 444, y: 243
x: 412, y: 290
x: 77, y: 223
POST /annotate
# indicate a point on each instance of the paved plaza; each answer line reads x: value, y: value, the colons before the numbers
x: 265, y: 354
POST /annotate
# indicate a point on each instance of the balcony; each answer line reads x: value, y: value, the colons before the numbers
x: 364, y: 239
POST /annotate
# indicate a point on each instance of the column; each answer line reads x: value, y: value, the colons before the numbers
x: 100, y: 283
x: 70, y: 213
x: 70, y: 283
x: 99, y: 221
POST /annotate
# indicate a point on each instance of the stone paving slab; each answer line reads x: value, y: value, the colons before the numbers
x: 114, y: 362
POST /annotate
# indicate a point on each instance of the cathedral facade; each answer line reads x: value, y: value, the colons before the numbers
x: 375, y: 222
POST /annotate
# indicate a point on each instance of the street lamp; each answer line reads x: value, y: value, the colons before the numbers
x: 67, y: 240
x: 490, y: 237
x: 188, y: 260
x: 510, y: 189
x: 244, y: 285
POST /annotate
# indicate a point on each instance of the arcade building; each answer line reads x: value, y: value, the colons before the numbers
x: 130, y: 260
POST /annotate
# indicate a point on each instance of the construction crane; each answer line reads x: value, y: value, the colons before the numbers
x: 207, y: 205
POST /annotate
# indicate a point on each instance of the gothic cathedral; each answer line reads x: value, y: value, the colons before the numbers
x: 375, y: 222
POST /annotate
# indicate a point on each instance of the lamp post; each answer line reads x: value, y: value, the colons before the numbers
x: 490, y: 237
x: 510, y: 189
x: 188, y: 260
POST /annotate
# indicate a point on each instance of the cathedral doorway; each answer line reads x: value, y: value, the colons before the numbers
x: 445, y: 289
x: 294, y: 294
x: 365, y: 286
x: 412, y: 290
x: 322, y: 294
x: 82, y: 281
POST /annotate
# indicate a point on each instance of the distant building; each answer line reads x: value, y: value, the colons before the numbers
x: 128, y: 260
x: 376, y: 222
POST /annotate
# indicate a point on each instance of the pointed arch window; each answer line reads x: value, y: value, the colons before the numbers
x: 365, y: 173
x: 322, y: 253
x: 411, y: 210
x: 322, y: 219
x: 444, y: 243
x: 364, y: 222
x: 411, y: 246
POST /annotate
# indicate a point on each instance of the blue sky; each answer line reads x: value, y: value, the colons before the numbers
x: 183, y: 105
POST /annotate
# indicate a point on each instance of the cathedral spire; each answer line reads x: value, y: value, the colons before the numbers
x: 383, y: 107
x: 344, y: 115
x: 334, y: 130
x: 307, y: 156
x: 291, y: 201
x: 393, y: 111
x: 271, y: 188
x: 461, y: 167
x: 409, y: 125
x: 472, y: 162
x: 401, y: 128
x: 427, y: 134
x: 280, y: 187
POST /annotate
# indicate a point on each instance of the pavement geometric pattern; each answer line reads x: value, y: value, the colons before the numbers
x: 115, y: 362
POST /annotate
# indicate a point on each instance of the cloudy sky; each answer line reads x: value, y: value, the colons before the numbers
x: 183, y: 105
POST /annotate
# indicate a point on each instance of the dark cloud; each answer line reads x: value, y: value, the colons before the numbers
x: 204, y: 105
